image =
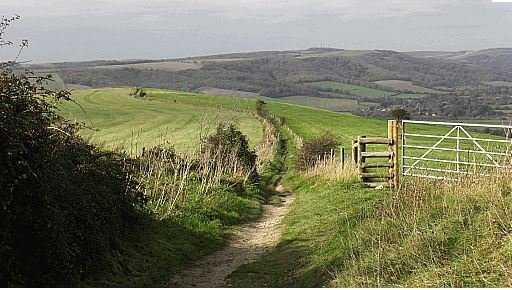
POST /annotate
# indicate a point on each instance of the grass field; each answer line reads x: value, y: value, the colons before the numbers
x: 405, y: 86
x: 355, y: 90
x: 123, y: 119
x: 308, y: 122
x: 334, y: 104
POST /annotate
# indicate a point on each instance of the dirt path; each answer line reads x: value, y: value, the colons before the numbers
x: 246, y: 245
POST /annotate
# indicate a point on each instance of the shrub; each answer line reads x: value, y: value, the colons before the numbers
x: 228, y: 143
x: 261, y: 109
x: 315, y: 150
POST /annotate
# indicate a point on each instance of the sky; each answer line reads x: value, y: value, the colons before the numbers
x: 77, y: 30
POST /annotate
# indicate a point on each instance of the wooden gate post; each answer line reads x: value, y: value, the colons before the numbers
x: 360, y: 159
x: 393, y: 158
x: 396, y: 167
x: 355, y: 152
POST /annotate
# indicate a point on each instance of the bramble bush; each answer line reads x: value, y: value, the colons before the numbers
x: 315, y: 150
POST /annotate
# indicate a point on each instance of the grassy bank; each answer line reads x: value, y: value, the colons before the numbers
x: 154, y: 249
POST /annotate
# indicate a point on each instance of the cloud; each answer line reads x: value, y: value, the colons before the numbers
x: 113, y: 29
x: 267, y: 10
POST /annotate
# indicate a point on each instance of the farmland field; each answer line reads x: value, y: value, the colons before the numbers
x: 409, y: 96
x: 231, y: 93
x: 355, y: 90
x: 405, y: 86
x: 116, y: 118
x: 334, y: 104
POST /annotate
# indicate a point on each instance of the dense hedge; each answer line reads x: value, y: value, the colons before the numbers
x: 64, y: 204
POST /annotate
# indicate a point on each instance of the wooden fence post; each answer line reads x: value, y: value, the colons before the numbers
x: 342, y: 156
x: 355, y: 152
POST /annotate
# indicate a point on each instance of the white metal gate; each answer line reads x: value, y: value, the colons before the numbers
x: 445, y: 150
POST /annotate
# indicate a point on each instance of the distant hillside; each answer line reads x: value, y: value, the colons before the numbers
x: 411, y: 76
x: 497, y: 59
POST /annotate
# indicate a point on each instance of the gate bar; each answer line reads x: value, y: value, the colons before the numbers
x: 452, y: 149
x: 458, y: 124
x: 461, y: 138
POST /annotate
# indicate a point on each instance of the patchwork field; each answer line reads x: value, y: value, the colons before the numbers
x: 114, y: 118
x: 334, y: 104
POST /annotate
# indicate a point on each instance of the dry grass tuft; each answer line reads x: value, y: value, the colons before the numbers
x: 266, y: 149
x: 332, y: 168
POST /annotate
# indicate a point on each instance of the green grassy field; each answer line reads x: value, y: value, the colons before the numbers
x: 175, y: 116
x: 336, y: 104
x: 409, y: 96
x: 308, y: 122
x: 337, y: 233
x: 121, y: 119
x: 355, y: 90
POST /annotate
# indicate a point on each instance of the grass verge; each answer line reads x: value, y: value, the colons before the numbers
x: 155, y: 249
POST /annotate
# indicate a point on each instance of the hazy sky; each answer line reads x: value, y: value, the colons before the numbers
x: 67, y: 30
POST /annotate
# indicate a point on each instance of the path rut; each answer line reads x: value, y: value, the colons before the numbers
x: 244, y: 246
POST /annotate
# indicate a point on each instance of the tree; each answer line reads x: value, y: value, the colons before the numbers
x: 400, y: 114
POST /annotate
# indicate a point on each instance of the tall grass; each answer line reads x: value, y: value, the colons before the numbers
x: 299, y: 141
x: 164, y: 177
x: 331, y: 167
x: 167, y: 177
x: 266, y: 149
x: 434, y: 233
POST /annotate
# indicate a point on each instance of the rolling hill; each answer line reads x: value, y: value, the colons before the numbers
x: 379, y: 80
